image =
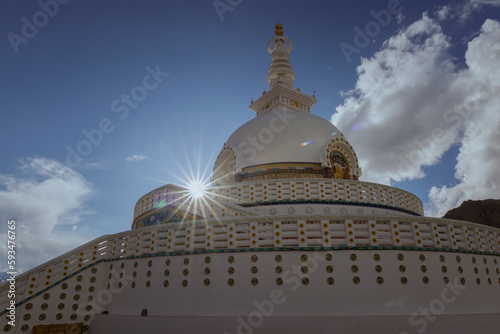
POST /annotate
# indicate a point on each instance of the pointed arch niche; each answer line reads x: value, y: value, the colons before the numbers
x: 225, y: 167
x: 340, y: 160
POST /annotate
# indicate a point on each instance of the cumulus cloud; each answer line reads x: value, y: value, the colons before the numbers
x: 47, y: 201
x: 400, y: 94
x: 135, y: 158
x: 411, y: 103
x: 462, y: 11
x: 477, y: 163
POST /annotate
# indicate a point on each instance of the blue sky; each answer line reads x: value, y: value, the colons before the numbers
x: 193, y: 69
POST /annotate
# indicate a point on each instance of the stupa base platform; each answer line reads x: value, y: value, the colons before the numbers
x: 456, y: 324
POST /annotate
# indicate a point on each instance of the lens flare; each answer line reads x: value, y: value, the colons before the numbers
x: 356, y: 126
x: 196, y: 189
x: 161, y: 204
x: 306, y: 143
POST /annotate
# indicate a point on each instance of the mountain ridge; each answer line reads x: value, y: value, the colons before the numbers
x: 485, y: 212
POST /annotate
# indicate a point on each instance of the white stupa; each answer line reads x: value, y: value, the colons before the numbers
x: 286, y: 240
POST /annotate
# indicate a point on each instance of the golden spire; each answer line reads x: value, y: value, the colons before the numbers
x: 280, y: 71
x: 278, y: 30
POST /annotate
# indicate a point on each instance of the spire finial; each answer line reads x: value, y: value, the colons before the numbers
x: 280, y: 71
x: 278, y: 30
x: 281, y: 78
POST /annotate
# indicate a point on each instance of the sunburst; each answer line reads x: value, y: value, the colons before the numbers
x: 196, y: 194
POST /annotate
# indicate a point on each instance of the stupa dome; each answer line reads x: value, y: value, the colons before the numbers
x: 286, y: 136
x: 284, y: 140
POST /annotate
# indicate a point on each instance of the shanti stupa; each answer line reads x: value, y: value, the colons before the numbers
x: 286, y: 239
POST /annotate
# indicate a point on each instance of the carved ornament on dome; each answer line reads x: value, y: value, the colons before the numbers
x: 225, y: 166
x: 345, y: 152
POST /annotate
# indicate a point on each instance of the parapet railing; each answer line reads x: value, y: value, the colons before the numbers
x: 276, y: 191
x: 263, y: 232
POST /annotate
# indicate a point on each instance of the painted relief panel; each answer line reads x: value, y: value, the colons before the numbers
x: 340, y: 166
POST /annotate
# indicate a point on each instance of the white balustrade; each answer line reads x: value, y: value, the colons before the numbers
x: 255, y: 232
x: 276, y: 191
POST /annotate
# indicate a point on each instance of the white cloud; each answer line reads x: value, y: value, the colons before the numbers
x: 444, y: 13
x: 43, y: 198
x: 462, y: 11
x: 412, y: 104
x: 400, y: 18
x: 97, y: 165
x: 135, y: 158
x: 393, y: 106
x: 478, y: 162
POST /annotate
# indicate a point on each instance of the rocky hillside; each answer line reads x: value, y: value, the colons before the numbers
x: 486, y: 212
